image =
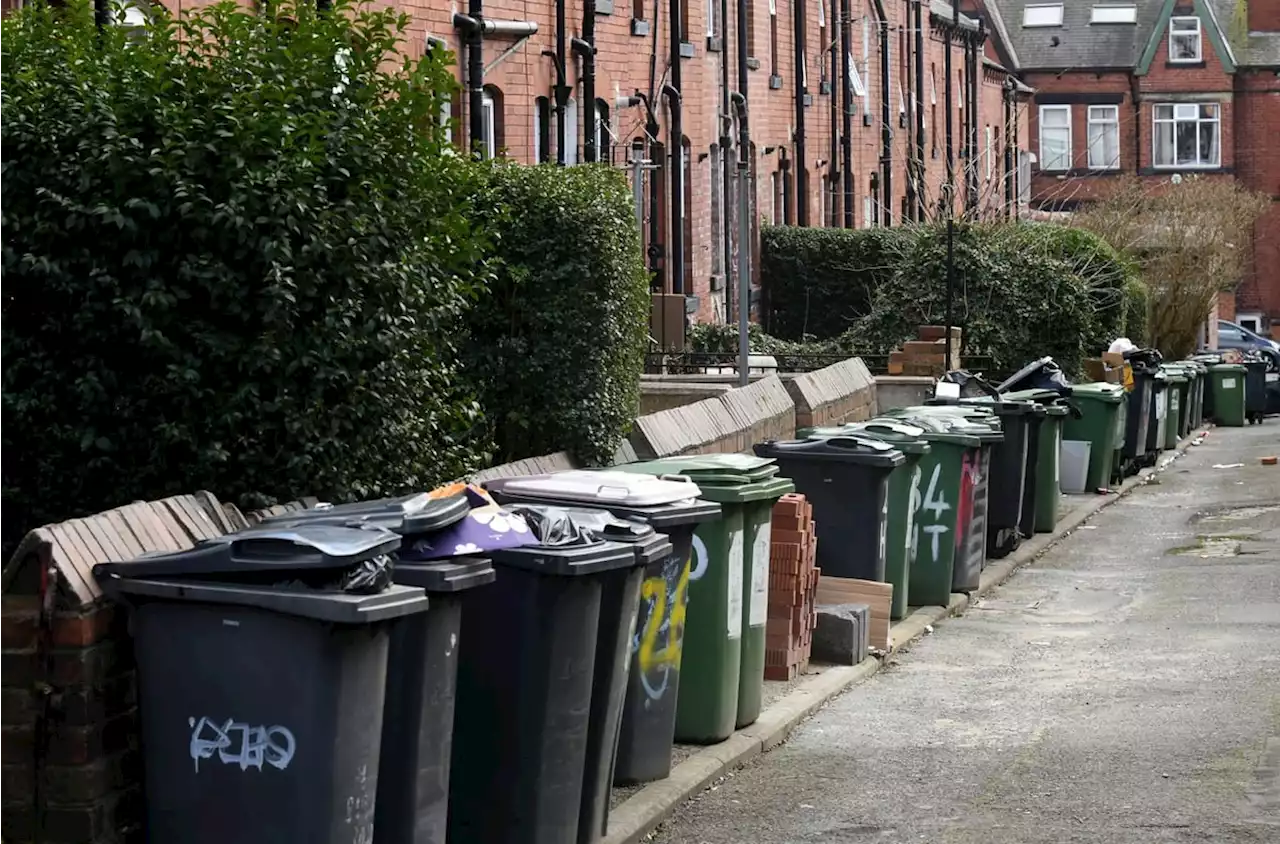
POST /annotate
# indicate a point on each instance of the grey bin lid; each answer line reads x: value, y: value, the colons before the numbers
x: 454, y: 574
x: 649, y: 545
x: 866, y: 451
x: 661, y: 502
x: 566, y: 560
x: 332, y: 607
x: 410, y: 515
x: 297, y: 548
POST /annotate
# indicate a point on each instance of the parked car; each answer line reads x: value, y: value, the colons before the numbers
x: 1232, y: 336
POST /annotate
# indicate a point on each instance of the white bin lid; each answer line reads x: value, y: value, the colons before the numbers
x: 627, y: 489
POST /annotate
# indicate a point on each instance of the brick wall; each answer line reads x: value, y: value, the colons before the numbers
x: 1257, y: 125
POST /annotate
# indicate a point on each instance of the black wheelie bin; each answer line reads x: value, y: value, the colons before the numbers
x: 422, y: 666
x: 261, y: 659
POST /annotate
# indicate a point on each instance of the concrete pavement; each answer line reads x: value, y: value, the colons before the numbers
x: 1124, y: 689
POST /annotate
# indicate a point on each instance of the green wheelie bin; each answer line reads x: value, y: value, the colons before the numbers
x: 1227, y: 381
x: 909, y: 439
x: 748, y: 485
x: 1175, y: 426
x: 1100, y: 423
x: 943, y: 501
x: 1048, y: 456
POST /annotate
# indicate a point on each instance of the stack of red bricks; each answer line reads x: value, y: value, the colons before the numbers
x: 793, y: 585
x: 927, y: 356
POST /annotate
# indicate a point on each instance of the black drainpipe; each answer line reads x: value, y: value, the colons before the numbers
x: 472, y: 27
x: 886, y: 130
x: 833, y: 157
x: 1137, y: 123
x: 949, y: 97
x: 726, y: 145
x: 586, y: 47
x: 846, y: 131
x: 906, y: 118
x: 745, y: 200
x: 563, y: 91
x: 975, y: 90
x: 676, y: 156
x: 651, y: 130
x: 802, y: 171
x: 920, y: 168
x: 1010, y: 150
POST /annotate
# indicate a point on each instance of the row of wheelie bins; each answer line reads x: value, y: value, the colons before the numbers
x: 461, y: 666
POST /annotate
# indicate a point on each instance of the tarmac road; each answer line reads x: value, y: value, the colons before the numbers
x: 1123, y: 689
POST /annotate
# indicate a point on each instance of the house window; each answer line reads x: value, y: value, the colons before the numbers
x: 713, y: 19
x: 1115, y: 14
x: 1042, y: 14
x: 491, y: 122
x: 570, y: 118
x: 717, y: 210
x: 751, y: 28
x: 1055, y: 137
x: 775, y: 188
x: 1104, y: 137
x: 1184, y: 39
x: 1187, y: 135
x: 637, y: 10
x: 604, y: 135
x: 686, y: 212
x: 541, y: 130
x: 991, y: 152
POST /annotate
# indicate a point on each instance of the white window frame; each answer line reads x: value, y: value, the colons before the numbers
x: 855, y: 82
x: 1173, y: 120
x: 570, y: 118
x: 1198, y: 33
x: 991, y: 154
x: 713, y: 10
x: 1042, y: 14
x: 822, y: 13
x: 489, y: 111
x: 1044, y: 157
x: 1095, y: 119
x: 604, y: 134
x: 1114, y: 13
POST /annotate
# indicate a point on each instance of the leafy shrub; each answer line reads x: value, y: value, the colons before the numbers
x: 817, y: 281
x: 1016, y: 298
x: 557, y: 346
x: 235, y: 255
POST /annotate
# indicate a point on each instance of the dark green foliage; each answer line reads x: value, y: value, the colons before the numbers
x: 817, y: 282
x: 235, y: 254
x: 557, y: 347
x: 1022, y: 291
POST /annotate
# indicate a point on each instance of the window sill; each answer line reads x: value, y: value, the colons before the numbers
x: 775, y: 82
x: 1172, y: 64
x: 824, y: 87
x: 808, y: 99
x: 753, y: 63
x: 714, y: 44
x: 640, y: 28
x: 1169, y: 170
x: 687, y: 50
x: 604, y: 7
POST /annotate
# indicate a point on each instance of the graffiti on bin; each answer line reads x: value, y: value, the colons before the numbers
x: 660, y: 624
x: 970, y: 477
x: 240, y: 744
x: 360, y: 809
x: 930, y: 509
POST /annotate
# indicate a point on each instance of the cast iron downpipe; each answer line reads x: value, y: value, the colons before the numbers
x: 1008, y: 146
x: 920, y: 167
x: 949, y: 191
x: 846, y: 130
x: 975, y: 82
x: 744, y: 210
x: 833, y: 157
x: 949, y: 97
x: 726, y: 146
x: 906, y: 117
x: 651, y: 130
x: 801, y: 161
x: 586, y: 47
x: 472, y: 27
x: 675, y: 155
x: 563, y: 90
x: 886, y: 130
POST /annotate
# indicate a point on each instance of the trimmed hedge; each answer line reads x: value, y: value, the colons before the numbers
x: 557, y: 346
x: 818, y: 281
x: 236, y: 257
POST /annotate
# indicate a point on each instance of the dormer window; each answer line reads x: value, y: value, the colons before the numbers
x: 1184, y: 40
x: 1043, y: 14
x: 1115, y: 14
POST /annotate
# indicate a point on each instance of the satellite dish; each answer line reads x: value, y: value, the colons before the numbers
x: 1176, y: 179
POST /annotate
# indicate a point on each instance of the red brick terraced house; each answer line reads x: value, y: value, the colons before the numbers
x: 1153, y: 88
x: 847, y: 104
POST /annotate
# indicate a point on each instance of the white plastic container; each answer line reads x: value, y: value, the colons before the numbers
x: 1075, y: 466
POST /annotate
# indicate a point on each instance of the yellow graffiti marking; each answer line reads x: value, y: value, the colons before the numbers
x: 649, y: 655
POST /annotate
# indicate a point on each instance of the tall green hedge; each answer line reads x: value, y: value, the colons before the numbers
x: 818, y: 281
x: 236, y: 256
x: 1137, y: 311
x: 557, y: 345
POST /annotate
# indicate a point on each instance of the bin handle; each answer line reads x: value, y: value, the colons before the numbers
x: 616, y: 493
x: 1073, y: 408
x: 684, y: 479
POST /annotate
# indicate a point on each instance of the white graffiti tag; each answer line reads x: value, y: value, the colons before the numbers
x: 242, y: 744
x: 933, y: 507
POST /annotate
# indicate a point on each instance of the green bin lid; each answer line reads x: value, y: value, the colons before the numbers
x: 741, y: 493
x: 849, y: 448
x: 1101, y: 391
x: 983, y: 417
x: 955, y: 430
x: 907, y: 438
x: 1003, y: 406
x: 701, y: 467
x: 1228, y: 367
